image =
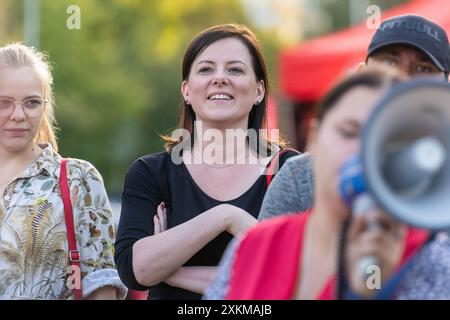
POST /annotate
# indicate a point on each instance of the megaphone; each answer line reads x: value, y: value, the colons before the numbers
x: 404, y: 163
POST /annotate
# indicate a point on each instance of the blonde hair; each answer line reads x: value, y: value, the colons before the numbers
x: 19, y: 56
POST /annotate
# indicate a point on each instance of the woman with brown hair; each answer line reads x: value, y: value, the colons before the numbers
x: 181, y: 207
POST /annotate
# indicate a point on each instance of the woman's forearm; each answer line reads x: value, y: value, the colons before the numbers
x: 192, y: 278
x: 157, y: 257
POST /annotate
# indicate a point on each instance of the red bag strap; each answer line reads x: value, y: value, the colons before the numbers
x: 273, y: 163
x: 74, y: 254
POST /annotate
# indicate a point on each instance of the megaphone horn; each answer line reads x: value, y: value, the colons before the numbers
x: 406, y: 153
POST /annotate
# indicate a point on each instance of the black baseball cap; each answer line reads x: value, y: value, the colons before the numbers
x: 417, y: 32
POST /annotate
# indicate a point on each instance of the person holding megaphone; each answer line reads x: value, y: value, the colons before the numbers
x: 318, y: 254
x: 402, y: 167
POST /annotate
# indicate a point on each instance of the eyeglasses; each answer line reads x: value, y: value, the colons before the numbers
x: 32, y: 107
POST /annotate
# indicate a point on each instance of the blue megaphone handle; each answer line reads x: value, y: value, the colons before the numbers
x: 351, y: 179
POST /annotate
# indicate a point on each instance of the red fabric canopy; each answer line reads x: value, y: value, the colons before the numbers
x: 307, y: 71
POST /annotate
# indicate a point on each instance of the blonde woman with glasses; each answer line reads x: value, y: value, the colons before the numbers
x: 35, y: 260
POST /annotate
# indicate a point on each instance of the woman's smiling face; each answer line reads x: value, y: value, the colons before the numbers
x: 222, y: 87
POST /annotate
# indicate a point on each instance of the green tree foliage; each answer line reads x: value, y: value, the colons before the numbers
x: 117, y: 79
x: 10, y: 12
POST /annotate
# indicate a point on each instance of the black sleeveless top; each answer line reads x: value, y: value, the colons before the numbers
x: 154, y: 178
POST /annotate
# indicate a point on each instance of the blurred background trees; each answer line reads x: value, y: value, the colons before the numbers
x: 117, y: 79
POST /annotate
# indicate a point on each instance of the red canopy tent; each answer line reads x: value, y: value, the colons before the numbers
x: 307, y: 71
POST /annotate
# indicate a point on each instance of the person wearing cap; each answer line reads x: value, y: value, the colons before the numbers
x: 414, y: 45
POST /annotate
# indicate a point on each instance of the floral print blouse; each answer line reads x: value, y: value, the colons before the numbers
x: 34, y: 262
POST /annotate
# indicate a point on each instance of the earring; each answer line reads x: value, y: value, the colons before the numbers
x: 187, y: 101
